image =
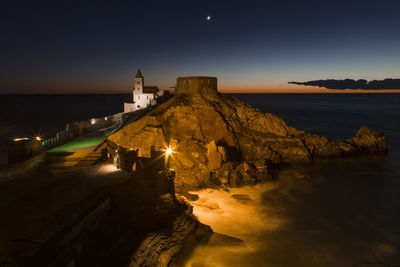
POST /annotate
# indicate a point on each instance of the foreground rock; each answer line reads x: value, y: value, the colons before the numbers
x: 161, y: 248
x: 138, y: 222
x: 219, y: 140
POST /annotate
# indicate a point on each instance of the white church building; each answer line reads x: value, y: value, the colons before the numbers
x: 143, y: 96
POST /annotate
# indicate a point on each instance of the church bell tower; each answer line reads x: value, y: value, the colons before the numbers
x: 139, y: 81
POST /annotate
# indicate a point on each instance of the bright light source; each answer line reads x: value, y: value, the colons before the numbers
x: 208, y: 18
x: 168, y: 151
x: 38, y: 138
x: 92, y: 121
x: 19, y: 139
x: 105, y: 118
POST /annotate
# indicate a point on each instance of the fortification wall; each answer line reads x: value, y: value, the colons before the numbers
x: 78, y: 128
x: 196, y: 85
x: 14, y: 170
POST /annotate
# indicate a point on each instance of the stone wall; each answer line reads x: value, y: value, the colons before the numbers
x: 14, y: 170
x: 21, y: 149
x: 138, y: 222
x: 129, y: 107
x: 65, y: 248
x: 196, y: 85
x: 78, y: 128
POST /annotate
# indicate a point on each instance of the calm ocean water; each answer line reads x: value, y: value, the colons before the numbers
x: 347, y: 213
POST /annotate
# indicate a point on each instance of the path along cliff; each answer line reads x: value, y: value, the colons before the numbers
x: 218, y: 140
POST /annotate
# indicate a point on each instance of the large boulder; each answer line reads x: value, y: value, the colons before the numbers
x: 213, y: 156
x: 369, y: 142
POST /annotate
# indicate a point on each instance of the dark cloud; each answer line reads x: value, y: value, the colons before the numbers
x: 353, y: 84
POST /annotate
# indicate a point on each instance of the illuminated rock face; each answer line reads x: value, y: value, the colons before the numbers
x: 220, y: 140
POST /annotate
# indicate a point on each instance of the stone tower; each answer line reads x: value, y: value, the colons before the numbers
x: 139, y: 82
x: 196, y: 85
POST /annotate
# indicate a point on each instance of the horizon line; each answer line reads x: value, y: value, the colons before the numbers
x: 328, y: 91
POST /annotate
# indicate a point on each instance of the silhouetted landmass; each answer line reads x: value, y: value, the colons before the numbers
x: 353, y: 84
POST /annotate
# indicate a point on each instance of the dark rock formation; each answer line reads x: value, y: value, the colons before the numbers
x: 147, y: 224
x: 219, y: 140
x: 161, y: 248
x: 369, y: 142
x: 139, y: 222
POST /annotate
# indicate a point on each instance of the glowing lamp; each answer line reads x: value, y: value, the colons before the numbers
x: 168, y: 151
x: 38, y: 138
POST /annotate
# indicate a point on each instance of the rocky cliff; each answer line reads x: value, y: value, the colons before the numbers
x: 219, y: 140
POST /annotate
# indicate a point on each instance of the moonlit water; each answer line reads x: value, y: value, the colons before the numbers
x: 346, y: 214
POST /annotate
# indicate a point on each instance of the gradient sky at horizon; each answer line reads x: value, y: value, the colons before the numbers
x: 251, y: 46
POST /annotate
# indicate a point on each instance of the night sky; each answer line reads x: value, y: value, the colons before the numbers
x: 251, y: 46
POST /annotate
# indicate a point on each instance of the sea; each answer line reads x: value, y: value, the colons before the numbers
x: 346, y: 213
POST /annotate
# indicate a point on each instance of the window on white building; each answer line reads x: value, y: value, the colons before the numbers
x: 138, y: 97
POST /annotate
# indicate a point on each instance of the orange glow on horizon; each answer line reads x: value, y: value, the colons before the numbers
x: 226, y: 88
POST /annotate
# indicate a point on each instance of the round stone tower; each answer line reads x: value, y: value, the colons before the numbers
x: 196, y: 85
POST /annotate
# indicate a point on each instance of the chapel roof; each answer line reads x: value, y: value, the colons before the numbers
x: 150, y: 89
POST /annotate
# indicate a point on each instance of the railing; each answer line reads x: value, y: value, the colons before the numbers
x: 76, y: 129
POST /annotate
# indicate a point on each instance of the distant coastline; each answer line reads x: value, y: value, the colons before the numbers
x: 350, y: 84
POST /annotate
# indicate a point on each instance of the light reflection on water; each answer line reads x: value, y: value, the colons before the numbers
x: 345, y: 214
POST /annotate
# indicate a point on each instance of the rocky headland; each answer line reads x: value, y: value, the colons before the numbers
x: 137, y: 220
x: 220, y: 141
x: 217, y: 141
